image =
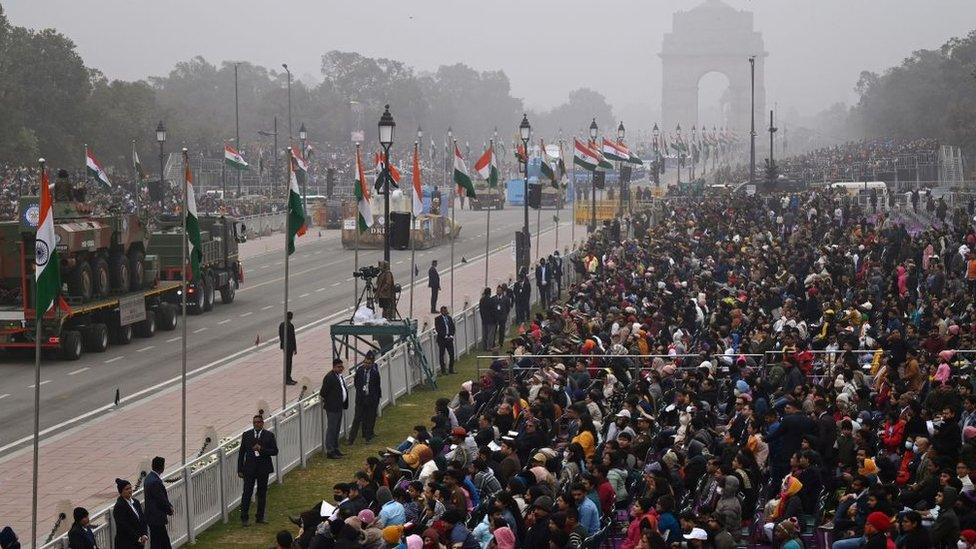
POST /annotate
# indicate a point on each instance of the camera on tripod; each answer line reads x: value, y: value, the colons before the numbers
x: 367, y: 272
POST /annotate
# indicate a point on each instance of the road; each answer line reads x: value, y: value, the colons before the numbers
x: 321, y: 284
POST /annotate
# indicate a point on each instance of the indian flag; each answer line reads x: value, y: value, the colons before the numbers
x: 47, y: 276
x: 95, y: 169
x: 461, y: 177
x: 233, y: 158
x: 584, y: 157
x: 613, y: 151
x: 545, y: 167
x: 136, y: 164
x: 487, y: 166
x: 394, y: 172
x: 192, y: 222
x: 418, y: 192
x: 602, y: 161
x: 364, y: 218
x: 296, y: 208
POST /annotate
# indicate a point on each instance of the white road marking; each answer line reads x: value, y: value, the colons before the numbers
x: 266, y: 307
x: 398, y: 262
x: 198, y: 330
x: 172, y: 339
x: 265, y: 266
x: 334, y: 284
x: 225, y: 321
x: 31, y: 386
x: 303, y: 295
x: 111, y: 360
x: 78, y: 371
x: 277, y: 262
x: 3, y: 396
x: 249, y: 313
x: 349, y: 279
x: 146, y: 348
x: 322, y: 289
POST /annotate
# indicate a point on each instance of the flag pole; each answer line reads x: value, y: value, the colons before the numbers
x: 137, y: 179
x: 37, y: 389
x: 452, y: 194
x: 355, y: 268
x: 184, y: 244
x: 491, y: 145
x: 285, y: 346
x: 413, y: 220
x: 572, y: 227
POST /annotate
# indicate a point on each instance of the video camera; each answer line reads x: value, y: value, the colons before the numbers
x: 367, y: 273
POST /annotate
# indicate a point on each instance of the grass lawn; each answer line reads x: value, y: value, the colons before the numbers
x: 302, y: 487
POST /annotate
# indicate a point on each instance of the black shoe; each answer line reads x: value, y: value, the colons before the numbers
x: 369, y: 439
x: 245, y: 523
x: 452, y: 372
x: 291, y: 382
x: 296, y: 521
x: 350, y: 441
x: 433, y: 312
x: 260, y: 521
x: 338, y: 453
x: 332, y: 455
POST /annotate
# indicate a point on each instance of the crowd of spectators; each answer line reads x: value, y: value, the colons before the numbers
x: 781, y: 371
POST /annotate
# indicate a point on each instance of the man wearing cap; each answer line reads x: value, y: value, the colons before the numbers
x: 696, y: 538
x: 460, y: 451
x: 128, y: 519
x: 876, y: 530
x: 366, y: 381
x: 254, y: 465
x: 538, y: 533
x: 158, y: 507
x: 335, y: 399
x: 621, y: 424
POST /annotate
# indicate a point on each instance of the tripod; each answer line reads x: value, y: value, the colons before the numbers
x: 366, y: 294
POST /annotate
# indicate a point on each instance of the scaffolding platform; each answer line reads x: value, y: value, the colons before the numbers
x: 357, y: 339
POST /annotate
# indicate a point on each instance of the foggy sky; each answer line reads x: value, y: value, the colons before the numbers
x: 816, y: 48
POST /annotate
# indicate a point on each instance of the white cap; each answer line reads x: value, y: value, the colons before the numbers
x: 624, y: 413
x: 697, y: 533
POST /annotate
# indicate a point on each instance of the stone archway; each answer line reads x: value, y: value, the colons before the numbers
x: 712, y: 37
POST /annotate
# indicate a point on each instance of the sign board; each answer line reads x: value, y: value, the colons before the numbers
x: 348, y: 224
x: 750, y: 190
x: 513, y: 250
x: 358, y: 136
x: 132, y: 309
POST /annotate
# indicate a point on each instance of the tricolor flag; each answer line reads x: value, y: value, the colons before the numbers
x: 233, y: 158
x: 95, y: 169
x: 301, y: 174
x: 137, y: 165
x: 192, y: 222
x: 584, y: 157
x: 296, y: 208
x: 487, y: 166
x: 545, y: 166
x: 394, y: 172
x: 613, y: 151
x: 560, y: 164
x: 47, y: 276
x: 364, y: 216
x: 461, y: 177
x: 602, y: 161
x: 418, y: 192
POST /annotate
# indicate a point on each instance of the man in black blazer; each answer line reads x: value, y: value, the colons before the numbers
x: 254, y: 465
x: 288, y: 345
x: 366, y: 381
x: 543, y: 279
x: 158, y: 507
x: 81, y: 536
x: 434, y: 283
x: 444, y: 327
x: 335, y: 399
x: 130, y: 521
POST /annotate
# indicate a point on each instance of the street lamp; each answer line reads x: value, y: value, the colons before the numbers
x: 285, y: 66
x: 621, y: 132
x: 594, y: 130
x: 161, y: 138
x: 691, y: 167
x: 525, y: 133
x: 681, y: 155
x: 387, y: 128
x: 302, y: 136
x: 420, y: 141
x: 657, y: 155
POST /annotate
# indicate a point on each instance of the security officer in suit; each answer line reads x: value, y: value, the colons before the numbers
x: 335, y: 399
x: 254, y: 465
x: 288, y: 345
x: 369, y: 391
x: 444, y: 328
x: 158, y: 507
x: 130, y: 520
x: 434, y: 283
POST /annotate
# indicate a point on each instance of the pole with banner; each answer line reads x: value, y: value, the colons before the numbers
x: 572, y: 228
x: 416, y: 210
x: 183, y: 289
x: 284, y: 313
x: 355, y: 260
x: 452, y: 191
x: 487, y: 169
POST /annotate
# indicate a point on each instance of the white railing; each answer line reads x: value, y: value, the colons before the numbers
x: 207, y: 489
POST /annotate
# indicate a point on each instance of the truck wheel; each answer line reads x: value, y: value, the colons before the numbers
x: 208, y: 292
x: 100, y: 278
x: 195, y: 306
x: 70, y: 345
x: 95, y: 338
x: 119, y: 273
x: 137, y: 270
x: 229, y: 291
x: 166, y: 317
x: 80, y: 283
x: 146, y: 328
x: 122, y: 334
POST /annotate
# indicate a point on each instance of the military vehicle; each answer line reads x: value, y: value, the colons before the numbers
x: 552, y: 198
x: 221, y: 265
x: 487, y: 197
x: 110, y: 288
x: 430, y: 230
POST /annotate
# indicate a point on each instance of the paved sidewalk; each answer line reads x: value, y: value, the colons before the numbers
x: 81, y: 464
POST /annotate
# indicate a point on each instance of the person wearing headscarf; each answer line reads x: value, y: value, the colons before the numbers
x: 945, y: 530
x: 876, y: 530
x: 504, y: 538
x: 729, y: 508
x: 787, y: 506
x: 786, y: 534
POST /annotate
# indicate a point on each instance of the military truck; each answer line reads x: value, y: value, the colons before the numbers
x: 486, y: 197
x: 221, y: 266
x: 110, y: 288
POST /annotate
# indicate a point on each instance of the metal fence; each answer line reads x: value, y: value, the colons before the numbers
x: 207, y: 489
x: 263, y: 224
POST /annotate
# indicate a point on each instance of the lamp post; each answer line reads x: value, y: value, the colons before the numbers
x: 302, y: 136
x: 386, y: 130
x: 525, y: 133
x: 237, y: 127
x: 694, y: 161
x: 287, y: 70
x: 420, y: 142
x: 657, y: 157
x: 161, y: 138
x: 448, y: 159
x: 621, y: 133
x: 752, y: 118
x: 681, y: 155
x: 594, y: 130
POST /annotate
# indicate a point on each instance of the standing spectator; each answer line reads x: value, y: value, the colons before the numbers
x: 129, y: 519
x: 503, y: 305
x: 335, y: 399
x: 444, y: 327
x: 80, y: 536
x: 158, y: 507
x: 254, y: 465
x: 366, y: 381
x: 523, y: 294
x: 487, y: 308
x: 556, y: 262
x: 385, y: 291
x: 434, y: 283
x: 543, y: 279
x: 288, y: 346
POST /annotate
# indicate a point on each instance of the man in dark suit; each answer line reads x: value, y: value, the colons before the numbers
x: 335, y: 399
x: 254, y: 465
x: 523, y: 294
x: 444, y: 327
x: 81, y: 536
x: 543, y: 278
x: 288, y: 346
x: 158, y: 507
x: 129, y: 519
x: 366, y: 381
x: 503, y: 305
x: 434, y: 283
x: 556, y: 263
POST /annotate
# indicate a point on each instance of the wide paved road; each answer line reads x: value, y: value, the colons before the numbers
x: 321, y: 284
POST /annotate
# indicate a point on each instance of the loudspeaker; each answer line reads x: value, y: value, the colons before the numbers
x: 400, y: 230
x: 599, y: 179
x: 535, y: 195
